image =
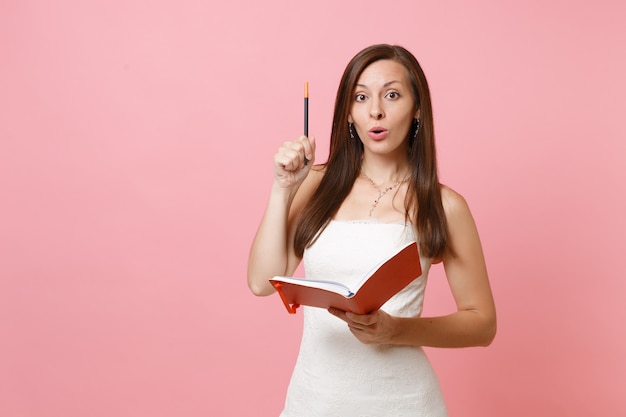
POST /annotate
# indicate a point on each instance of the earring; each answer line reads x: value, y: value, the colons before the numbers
x: 416, y: 126
x: 350, y: 129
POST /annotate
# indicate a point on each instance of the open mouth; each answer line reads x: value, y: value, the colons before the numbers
x: 378, y: 133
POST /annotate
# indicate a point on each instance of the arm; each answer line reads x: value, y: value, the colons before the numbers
x: 473, y: 323
x: 272, y: 251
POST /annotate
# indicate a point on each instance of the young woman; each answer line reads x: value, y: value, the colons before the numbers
x: 378, y: 191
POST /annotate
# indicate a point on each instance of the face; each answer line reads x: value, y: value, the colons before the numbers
x: 383, y: 107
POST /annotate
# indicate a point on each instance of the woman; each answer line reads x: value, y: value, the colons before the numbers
x: 378, y: 191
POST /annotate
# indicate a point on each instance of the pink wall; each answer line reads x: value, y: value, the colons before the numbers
x: 136, y: 140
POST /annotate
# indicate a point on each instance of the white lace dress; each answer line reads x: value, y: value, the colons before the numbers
x: 335, y: 374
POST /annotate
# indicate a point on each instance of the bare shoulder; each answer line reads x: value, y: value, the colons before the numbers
x: 454, y: 204
x: 458, y: 214
x: 462, y: 232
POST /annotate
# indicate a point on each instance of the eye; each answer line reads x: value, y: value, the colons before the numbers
x: 360, y: 97
x: 392, y: 95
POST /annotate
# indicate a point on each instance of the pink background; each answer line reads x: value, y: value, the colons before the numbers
x: 136, y: 144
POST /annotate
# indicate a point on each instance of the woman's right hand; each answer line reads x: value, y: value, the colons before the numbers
x: 272, y: 251
x: 293, y: 161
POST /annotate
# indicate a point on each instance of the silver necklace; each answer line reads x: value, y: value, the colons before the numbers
x: 381, y: 191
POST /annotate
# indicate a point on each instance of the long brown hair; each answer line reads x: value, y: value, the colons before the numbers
x: 423, y: 197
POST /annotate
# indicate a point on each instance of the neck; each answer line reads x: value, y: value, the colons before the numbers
x: 385, y: 172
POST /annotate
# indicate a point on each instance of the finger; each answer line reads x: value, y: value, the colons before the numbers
x: 290, y: 156
x: 308, y: 149
x: 339, y: 313
x: 297, y: 150
x: 362, y: 319
x: 299, y: 147
x: 313, y: 143
x: 284, y: 160
x: 357, y: 327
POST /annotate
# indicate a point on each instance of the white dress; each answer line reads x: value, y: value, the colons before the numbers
x: 335, y: 374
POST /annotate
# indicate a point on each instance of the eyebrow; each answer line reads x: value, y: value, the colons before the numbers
x: 387, y: 84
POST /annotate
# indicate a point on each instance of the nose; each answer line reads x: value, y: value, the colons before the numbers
x: 376, y: 111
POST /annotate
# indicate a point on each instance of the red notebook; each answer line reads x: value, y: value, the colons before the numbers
x: 369, y: 294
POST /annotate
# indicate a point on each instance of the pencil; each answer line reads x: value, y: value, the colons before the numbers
x: 306, y: 108
x: 306, y: 114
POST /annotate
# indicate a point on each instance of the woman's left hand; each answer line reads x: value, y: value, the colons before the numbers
x: 377, y: 327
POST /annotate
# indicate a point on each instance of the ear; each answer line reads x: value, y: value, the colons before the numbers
x: 350, y: 120
x: 417, y: 114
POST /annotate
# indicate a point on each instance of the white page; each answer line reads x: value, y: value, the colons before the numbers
x: 335, y: 287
